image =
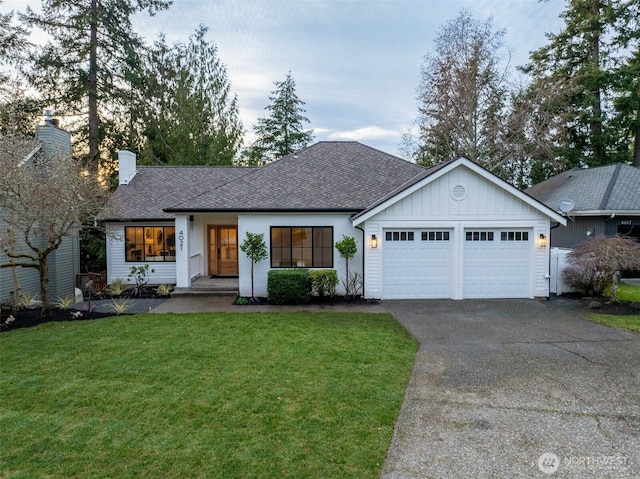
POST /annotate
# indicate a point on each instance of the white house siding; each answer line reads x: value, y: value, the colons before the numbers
x: 119, y: 268
x: 432, y: 206
x: 261, y: 223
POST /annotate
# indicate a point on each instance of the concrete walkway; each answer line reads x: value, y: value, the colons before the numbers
x: 517, y: 389
x: 224, y: 304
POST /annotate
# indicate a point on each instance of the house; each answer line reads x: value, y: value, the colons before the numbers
x: 598, y: 201
x: 451, y: 231
x: 63, y: 263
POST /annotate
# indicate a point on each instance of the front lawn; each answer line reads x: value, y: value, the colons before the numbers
x: 203, y: 396
x: 626, y: 292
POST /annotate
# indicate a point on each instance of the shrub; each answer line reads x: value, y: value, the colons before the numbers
x: 117, y: 287
x: 324, y: 281
x: 64, y: 302
x: 596, y: 264
x: 121, y: 305
x: 288, y: 286
x: 164, y: 289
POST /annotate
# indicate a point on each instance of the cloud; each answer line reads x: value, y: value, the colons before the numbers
x: 365, y: 133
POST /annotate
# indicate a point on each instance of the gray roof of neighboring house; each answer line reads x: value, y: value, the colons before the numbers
x: 18, y: 149
x: 327, y: 176
x: 604, y: 189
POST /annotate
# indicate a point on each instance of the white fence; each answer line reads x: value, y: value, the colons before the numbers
x: 558, y: 263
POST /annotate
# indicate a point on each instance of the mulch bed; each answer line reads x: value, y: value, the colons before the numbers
x: 602, y: 305
x: 27, y: 318
x: 99, y: 307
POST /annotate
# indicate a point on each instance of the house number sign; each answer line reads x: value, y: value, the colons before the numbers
x: 181, y: 239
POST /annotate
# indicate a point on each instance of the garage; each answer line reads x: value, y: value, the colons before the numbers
x: 417, y: 263
x: 460, y: 232
x: 497, y: 263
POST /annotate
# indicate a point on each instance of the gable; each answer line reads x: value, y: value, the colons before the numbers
x: 461, y: 189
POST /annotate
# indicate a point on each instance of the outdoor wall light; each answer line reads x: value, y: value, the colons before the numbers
x: 542, y: 241
x: 374, y: 241
x: 589, y: 232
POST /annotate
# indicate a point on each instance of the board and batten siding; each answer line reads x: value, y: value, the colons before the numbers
x: 436, y: 206
x: 64, y: 265
x: 27, y: 277
x: 119, y: 268
x: 261, y: 223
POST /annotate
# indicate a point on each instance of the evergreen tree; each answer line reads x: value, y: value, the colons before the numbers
x: 85, y: 68
x: 282, y: 132
x: 589, y: 70
x: 188, y: 113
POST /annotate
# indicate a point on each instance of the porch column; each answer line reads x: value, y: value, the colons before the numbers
x: 183, y: 255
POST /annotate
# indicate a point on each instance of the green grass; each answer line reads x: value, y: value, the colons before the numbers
x: 632, y: 323
x: 626, y: 292
x: 629, y: 292
x: 202, y: 396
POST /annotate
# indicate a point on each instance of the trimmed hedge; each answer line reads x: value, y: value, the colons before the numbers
x: 324, y: 281
x: 288, y: 286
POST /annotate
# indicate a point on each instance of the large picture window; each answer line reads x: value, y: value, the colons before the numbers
x: 150, y: 243
x: 302, y: 247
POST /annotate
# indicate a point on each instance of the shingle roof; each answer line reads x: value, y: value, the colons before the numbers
x: 327, y: 176
x: 607, y: 188
x: 17, y: 149
x: 156, y: 187
x: 345, y: 176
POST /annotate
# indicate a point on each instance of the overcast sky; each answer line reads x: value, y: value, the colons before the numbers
x: 356, y: 63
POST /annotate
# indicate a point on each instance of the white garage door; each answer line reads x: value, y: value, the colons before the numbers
x: 417, y: 264
x: 497, y: 263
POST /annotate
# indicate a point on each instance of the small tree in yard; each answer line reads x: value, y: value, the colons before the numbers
x: 597, y: 264
x: 255, y: 249
x: 347, y: 248
x: 40, y: 205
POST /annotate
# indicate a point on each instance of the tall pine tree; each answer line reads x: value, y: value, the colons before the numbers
x: 84, y: 70
x: 282, y: 132
x: 188, y: 113
x: 590, y: 68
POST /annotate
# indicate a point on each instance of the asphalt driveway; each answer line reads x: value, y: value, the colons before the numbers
x: 517, y: 389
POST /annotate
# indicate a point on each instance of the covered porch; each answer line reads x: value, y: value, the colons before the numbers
x: 207, y: 252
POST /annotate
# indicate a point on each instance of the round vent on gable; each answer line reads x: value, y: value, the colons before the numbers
x: 458, y: 193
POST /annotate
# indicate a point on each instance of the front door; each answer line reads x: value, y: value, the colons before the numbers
x: 223, y: 250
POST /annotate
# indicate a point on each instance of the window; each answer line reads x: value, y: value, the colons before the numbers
x: 435, y: 236
x: 479, y: 235
x: 398, y: 236
x: 150, y: 243
x: 514, y: 236
x: 302, y: 247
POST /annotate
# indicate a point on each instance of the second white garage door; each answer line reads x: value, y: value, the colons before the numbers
x: 497, y: 263
x: 417, y: 264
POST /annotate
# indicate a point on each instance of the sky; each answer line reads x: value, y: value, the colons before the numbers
x: 356, y: 63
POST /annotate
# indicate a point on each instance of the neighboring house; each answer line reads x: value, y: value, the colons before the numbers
x: 597, y: 201
x: 452, y: 231
x: 64, y: 263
